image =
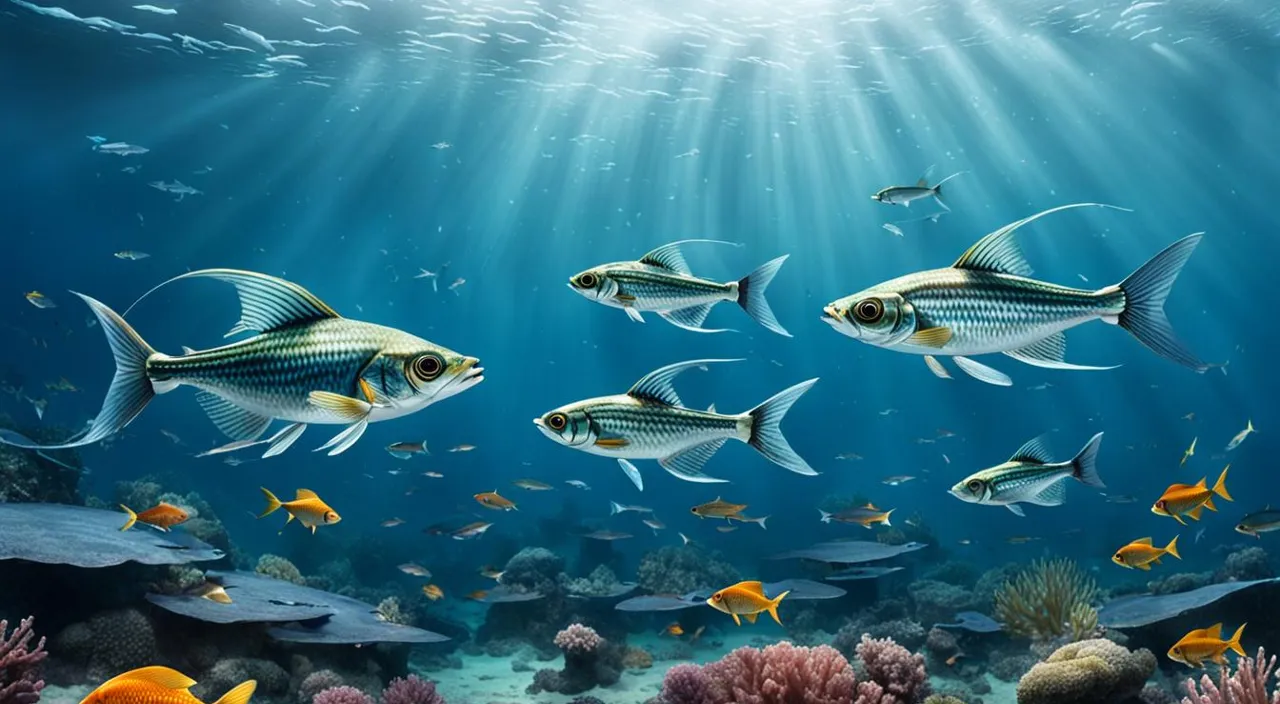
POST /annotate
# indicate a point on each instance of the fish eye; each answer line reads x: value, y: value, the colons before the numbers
x: 869, y: 310
x: 1160, y: 503
x: 557, y: 421
x: 1118, y: 556
x: 331, y: 517
x: 717, y: 596
x: 428, y: 366
x: 693, y: 510
x: 588, y: 280
x: 974, y: 485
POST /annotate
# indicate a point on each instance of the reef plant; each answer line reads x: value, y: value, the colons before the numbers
x: 411, y: 690
x: 20, y: 682
x: 342, y: 695
x: 1095, y: 671
x: 1248, y: 685
x: 1050, y: 600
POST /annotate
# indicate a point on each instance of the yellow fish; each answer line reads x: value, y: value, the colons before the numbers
x: 1191, y: 499
x: 1206, y: 644
x: 1141, y: 553
x: 210, y: 590
x: 159, y: 685
x: 1191, y: 452
x: 307, y: 507
x: 491, y: 499
x: 433, y: 592
x: 717, y: 509
x: 746, y: 599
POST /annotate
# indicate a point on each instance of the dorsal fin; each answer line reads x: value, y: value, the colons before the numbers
x: 306, y: 494
x: 162, y: 676
x: 999, y: 253
x: 1214, y: 631
x: 923, y: 182
x: 656, y: 385
x: 1033, y: 452
x: 756, y: 587
x: 1142, y: 541
x: 669, y: 256
x: 871, y: 506
x: 1201, y: 484
x: 266, y: 302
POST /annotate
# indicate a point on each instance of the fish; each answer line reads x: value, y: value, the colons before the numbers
x: 747, y: 519
x: 1191, y: 499
x: 848, y: 456
x: 986, y: 303
x: 1259, y: 522
x: 615, y: 508
x: 1199, y: 535
x: 893, y: 229
x: 432, y: 592
x: 39, y: 300
x: 433, y: 475
x: 160, y: 685
x: 406, y: 450
x: 392, y: 522
x: 415, y: 570
x: 746, y: 599
x: 1029, y: 476
x: 607, y: 535
x: 457, y: 284
x: 120, y: 149
x: 307, y: 365
x: 655, y: 524
x: 478, y: 595
x: 471, y: 530
x: 60, y: 385
x: 897, y: 480
x: 697, y: 634
x: 95, y: 139
x: 131, y: 255
x: 578, y: 484
x: 532, y: 485
x: 1190, y: 416
x: 719, y: 508
x: 1240, y: 436
x: 906, y: 195
x: 39, y: 404
x: 441, y: 145
x: 177, y: 188
x: 1206, y: 644
x: 673, y: 629
x: 491, y: 572
x: 210, y: 590
x: 650, y: 422
x: 1119, y: 498
x: 865, y: 516
x: 1141, y: 553
x: 1189, y: 453
x: 162, y: 516
x: 684, y: 539
x: 462, y: 448
x: 951, y: 661
x: 491, y: 500
x: 310, y: 510
x: 661, y: 282
x: 251, y: 35
x: 1021, y: 539
x: 726, y: 529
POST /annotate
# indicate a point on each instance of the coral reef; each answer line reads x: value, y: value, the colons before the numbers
x: 342, y: 695
x: 900, y: 675
x: 227, y: 673
x: 390, y: 611
x: 634, y: 658
x: 589, y: 661
x: 20, y: 681
x: 778, y: 674
x: 28, y: 477
x: 1180, y: 582
x: 279, y: 568
x: 939, y: 602
x: 905, y: 632
x: 941, y: 644
x: 411, y: 690
x: 962, y: 574
x: 535, y: 570
x: 1248, y: 685
x: 1245, y: 565
x: 1155, y: 694
x: 682, y: 569
x: 1011, y: 668
x: 317, y: 682
x: 1093, y: 671
x: 1051, y: 599
x: 601, y: 582
x: 942, y: 699
x: 109, y: 643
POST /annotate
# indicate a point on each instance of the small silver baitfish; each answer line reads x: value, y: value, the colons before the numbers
x: 661, y: 282
x: 306, y: 365
x: 1030, y: 477
x: 985, y: 303
x: 649, y: 422
x: 906, y: 195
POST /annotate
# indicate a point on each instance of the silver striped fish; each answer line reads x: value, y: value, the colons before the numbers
x: 986, y: 303
x: 1030, y: 477
x: 650, y: 422
x: 660, y: 282
x: 307, y: 365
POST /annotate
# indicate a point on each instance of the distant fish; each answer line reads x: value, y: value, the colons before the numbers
x: 121, y: 149
x: 441, y: 145
x: 532, y: 485
x: 684, y: 539
x: 96, y: 139
x: 1120, y: 498
x: 848, y: 456
x: 131, y: 255
x: 392, y: 522
x: 491, y: 572
x: 1207, y: 644
x: 607, y: 535
x: 1140, y: 554
x: 1190, y: 452
x: 310, y: 510
x: 1240, y: 436
x: 578, y: 484
x: 173, y: 437
x: 1259, y: 522
x: 491, y: 500
x: 906, y: 195
x: 746, y: 599
x: 1022, y: 539
x: 162, y: 516
x: 615, y: 508
x: 471, y: 530
x: 462, y: 448
x: 894, y: 229
x: 406, y: 450
x: 415, y: 570
x: 210, y: 590
x: 433, y: 475
x: 251, y: 35
x: 1029, y: 476
x: 478, y: 595
x: 156, y: 10
x: 747, y: 519
x: 39, y: 300
x: 897, y: 479
x: 726, y: 529
x: 432, y: 592
x: 60, y: 385
x: 457, y: 284
x: 719, y: 508
x: 1191, y: 499
x: 655, y: 524
x: 865, y: 516
x: 674, y: 630
x: 39, y: 404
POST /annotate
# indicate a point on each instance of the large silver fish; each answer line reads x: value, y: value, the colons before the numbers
x: 307, y: 365
x: 661, y: 282
x: 649, y: 422
x: 1030, y: 477
x: 985, y: 303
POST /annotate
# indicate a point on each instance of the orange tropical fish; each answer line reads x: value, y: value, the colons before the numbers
x: 159, y: 685
x: 307, y: 507
x: 717, y: 509
x: 433, y: 592
x: 1206, y: 644
x: 478, y: 595
x: 491, y: 499
x: 210, y: 590
x: 865, y: 516
x: 1141, y: 553
x: 1191, y: 499
x: 746, y: 599
x: 162, y: 516
x: 674, y: 630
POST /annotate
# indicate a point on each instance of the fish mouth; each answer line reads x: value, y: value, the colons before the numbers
x: 468, y: 375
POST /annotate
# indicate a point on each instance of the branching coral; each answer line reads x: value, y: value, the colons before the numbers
x: 279, y: 568
x: 778, y: 674
x: 411, y: 690
x: 1247, y: 686
x: 342, y: 695
x: 19, y: 664
x: 1050, y: 600
x: 899, y: 674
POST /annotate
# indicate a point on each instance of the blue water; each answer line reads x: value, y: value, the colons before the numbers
x: 520, y: 164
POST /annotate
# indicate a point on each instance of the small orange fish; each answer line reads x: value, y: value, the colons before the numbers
x: 1206, y: 644
x: 1191, y: 499
x: 162, y: 516
x: 491, y: 499
x: 159, y: 685
x: 674, y: 630
x: 478, y: 595
x: 210, y: 590
x: 307, y: 507
x: 746, y: 599
x: 717, y: 509
x: 1141, y: 553
x: 951, y: 661
x: 433, y: 592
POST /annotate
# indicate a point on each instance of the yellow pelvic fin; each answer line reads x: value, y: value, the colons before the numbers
x: 1208, y: 503
x: 240, y: 694
x: 1143, y: 566
x: 272, y: 503
x: 735, y: 618
x: 931, y: 337
x: 133, y: 518
x: 166, y: 677
x: 1220, y: 487
x: 1177, y: 518
x: 1195, y: 512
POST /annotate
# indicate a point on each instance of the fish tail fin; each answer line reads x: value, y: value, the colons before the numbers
x: 1172, y: 548
x: 614, y: 508
x: 240, y: 694
x: 886, y: 517
x: 1234, y: 643
x: 826, y: 517
x: 133, y: 518
x: 1145, y: 291
x: 273, y: 504
x: 773, y: 606
x: 766, y: 429
x: 1084, y: 466
x: 1220, y: 487
x: 762, y: 520
x: 751, y: 290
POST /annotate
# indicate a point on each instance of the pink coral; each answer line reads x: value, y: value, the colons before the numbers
x: 578, y: 638
x: 411, y: 690
x: 687, y: 684
x: 900, y: 675
x: 1247, y: 686
x: 779, y: 674
x: 19, y: 665
x: 342, y: 695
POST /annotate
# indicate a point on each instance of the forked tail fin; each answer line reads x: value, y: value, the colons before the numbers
x: 1084, y: 466
x: 766, y: 430
x: 1145, y: 292
x: 751, y: 294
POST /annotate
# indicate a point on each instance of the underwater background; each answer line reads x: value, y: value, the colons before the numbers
x: 505, y: 146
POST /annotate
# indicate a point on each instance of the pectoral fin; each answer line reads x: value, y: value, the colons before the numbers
x: 936, y: 367
x: 931, y: 337
x: 344, y: 407
x: 343, y: 441
x: 612, y: 442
